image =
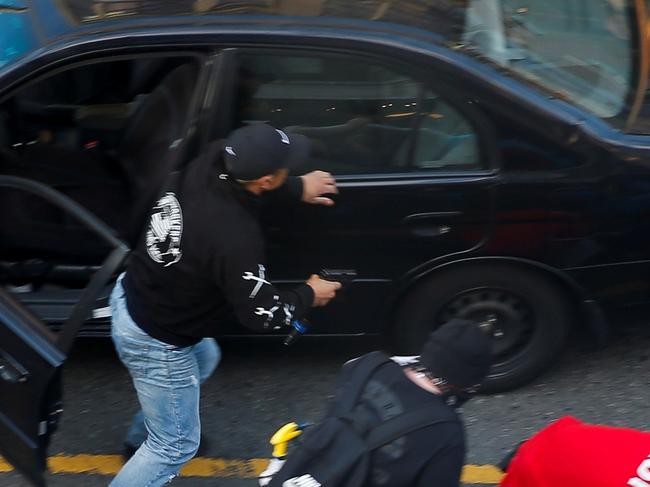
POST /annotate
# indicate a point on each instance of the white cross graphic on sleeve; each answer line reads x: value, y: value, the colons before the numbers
x: 249, y: 276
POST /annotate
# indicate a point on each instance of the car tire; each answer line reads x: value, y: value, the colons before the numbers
x: 526, y: 314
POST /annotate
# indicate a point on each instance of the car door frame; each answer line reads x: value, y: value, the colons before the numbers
x: 38, y: 346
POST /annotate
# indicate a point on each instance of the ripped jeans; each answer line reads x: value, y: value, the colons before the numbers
x: 167, y: 380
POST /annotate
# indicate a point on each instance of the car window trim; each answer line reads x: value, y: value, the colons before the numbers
x: 220, y: 88
x: 349, y: 181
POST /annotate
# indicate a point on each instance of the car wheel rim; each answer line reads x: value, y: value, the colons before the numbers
x: 507, y: 317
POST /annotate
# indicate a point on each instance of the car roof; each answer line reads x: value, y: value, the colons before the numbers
x: 56, y: 20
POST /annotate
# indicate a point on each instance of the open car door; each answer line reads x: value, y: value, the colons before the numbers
x: 31, y: 356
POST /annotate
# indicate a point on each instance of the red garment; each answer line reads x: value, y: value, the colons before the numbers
x: 569, y: 453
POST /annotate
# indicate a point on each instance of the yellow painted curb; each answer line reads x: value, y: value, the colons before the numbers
x: 111, y: 464
x: 212, y: 467
x: 481, y: 474
x: 89, y: 464
x: 4, y: 466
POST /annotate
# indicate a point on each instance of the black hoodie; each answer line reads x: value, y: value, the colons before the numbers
x: 202, y: 259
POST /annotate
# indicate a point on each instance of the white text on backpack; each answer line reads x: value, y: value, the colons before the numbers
x: 302, y: 481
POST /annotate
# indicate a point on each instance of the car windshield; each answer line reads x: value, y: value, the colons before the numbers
x: 581, y: 48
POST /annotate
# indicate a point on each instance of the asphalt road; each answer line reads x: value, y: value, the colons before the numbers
x: 260, y: 385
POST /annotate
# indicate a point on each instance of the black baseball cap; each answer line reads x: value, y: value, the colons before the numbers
x: 253, y: 151
x: 459, y: 352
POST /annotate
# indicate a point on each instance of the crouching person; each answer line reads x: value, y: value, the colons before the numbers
x: 570, y: 453
x: 394, y: 421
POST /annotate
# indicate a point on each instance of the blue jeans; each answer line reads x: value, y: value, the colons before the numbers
x: 167, y: 380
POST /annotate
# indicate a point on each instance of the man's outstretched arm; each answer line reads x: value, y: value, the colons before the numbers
x: 313, y: 188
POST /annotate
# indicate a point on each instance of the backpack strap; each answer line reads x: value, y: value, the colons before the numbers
x: 406, y: 423
x: 357, y: 379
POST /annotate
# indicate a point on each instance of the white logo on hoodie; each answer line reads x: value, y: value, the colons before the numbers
x: 165, y: 230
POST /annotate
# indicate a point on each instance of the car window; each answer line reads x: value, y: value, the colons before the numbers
x: 362, y: 117
x: 445, y: 137
x: 96, y: 132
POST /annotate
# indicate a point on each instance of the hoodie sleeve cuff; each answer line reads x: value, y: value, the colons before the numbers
x: 306, y: 298
x: 294, y: 188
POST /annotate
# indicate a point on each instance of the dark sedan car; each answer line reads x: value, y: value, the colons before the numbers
x: 492, y: 160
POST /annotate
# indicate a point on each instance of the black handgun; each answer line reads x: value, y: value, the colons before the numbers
x: 344, y: 276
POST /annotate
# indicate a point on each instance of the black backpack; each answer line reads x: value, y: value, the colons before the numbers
x: 336, y: 453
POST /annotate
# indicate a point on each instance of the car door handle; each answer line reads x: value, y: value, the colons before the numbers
x: 433, y: 224
x: 10, y: 370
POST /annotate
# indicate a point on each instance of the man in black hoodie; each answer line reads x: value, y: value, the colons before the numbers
x: 405, y: 410
x: 200, y: 261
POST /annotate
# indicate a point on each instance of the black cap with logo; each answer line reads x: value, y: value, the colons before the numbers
x: 258, y: 150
